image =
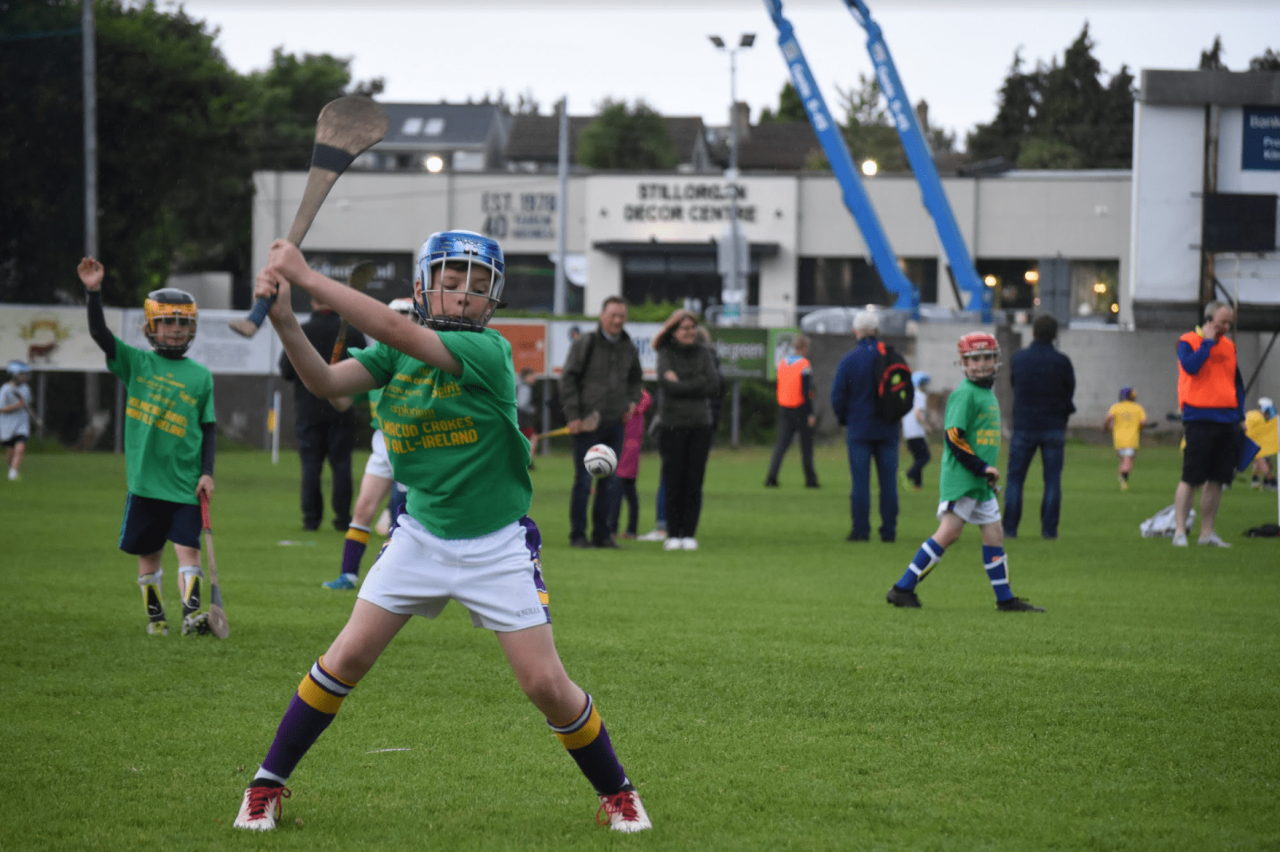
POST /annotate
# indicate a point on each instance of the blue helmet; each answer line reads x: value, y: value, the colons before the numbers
x: 920, y: 379
x: 1267, y: 407
x: 468, y: 250
x: 17, y: 368
x: 1127, y: 394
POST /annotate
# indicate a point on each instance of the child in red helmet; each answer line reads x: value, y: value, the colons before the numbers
x: 968, y: 481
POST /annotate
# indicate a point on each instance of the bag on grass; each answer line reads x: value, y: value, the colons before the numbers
x: 1264, y: 531
x: 1164, y: 523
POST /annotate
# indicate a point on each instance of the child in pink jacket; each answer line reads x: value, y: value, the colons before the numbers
x: 629, y: 467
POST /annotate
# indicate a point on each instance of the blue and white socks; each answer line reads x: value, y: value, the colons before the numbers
x: 929, y: 554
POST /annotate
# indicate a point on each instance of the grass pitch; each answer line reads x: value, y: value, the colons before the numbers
x: 759, y: 691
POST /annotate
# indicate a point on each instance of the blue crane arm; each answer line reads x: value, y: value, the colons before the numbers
x: 913, y: 143
x: 833, y: 144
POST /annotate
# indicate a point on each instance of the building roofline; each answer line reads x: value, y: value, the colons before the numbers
x: 1197, y: 88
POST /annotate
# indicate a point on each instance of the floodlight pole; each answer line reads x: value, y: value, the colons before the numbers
x: 562, y: 210
x: 735, y: 276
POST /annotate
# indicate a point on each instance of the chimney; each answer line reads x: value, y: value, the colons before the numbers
x: 922, y: 116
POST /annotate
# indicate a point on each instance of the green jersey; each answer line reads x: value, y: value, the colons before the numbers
x: 167, y: 401
x: 372, y: 398
x: 454, y: 442
x: 972, y: 424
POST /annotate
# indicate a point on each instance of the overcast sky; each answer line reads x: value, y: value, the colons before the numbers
x: 952, y: 54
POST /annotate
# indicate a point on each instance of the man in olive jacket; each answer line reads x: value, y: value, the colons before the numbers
x: 601, y: 375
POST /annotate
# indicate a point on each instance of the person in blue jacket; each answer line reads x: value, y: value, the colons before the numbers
x: 1043, y: 384
x: 853, y: 399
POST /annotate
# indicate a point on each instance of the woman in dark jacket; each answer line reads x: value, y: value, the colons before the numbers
x: 687, y: 382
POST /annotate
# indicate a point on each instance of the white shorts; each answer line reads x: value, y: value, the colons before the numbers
x: 971, y: 511
x: 1126, y: 452
x: 379, y: 464
x: 497, y: 577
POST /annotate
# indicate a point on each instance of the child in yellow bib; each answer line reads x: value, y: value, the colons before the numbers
x: 1125, y: 421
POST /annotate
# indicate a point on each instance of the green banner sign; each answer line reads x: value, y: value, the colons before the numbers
x: 744, y: 352
x: 779, y: 348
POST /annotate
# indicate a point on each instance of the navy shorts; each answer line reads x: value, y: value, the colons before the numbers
x: 1211, y: 453
x: 148, y: 523
x: 16, y: 440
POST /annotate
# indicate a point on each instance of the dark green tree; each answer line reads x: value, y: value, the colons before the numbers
x: 790, y: 107
x: 1061, y: 115
x: 283, y: 102
x: 623, y: 137
x: 179, y: 136
x: 1211, y: 59
x: 1269, y: 60
x: 868, y: 129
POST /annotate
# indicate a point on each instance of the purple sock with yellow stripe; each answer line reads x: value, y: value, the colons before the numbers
x: 353, y: 549
x: 587, y: 741
x: 312, y: 709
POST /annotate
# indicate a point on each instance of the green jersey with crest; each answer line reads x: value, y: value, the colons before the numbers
x: 973, y: 424
x: 454, y: 442
x: 166, y: 402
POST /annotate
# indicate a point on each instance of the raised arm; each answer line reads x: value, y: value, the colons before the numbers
x: 372, y: 317
x: 321, y: 378
x: 91, y: 272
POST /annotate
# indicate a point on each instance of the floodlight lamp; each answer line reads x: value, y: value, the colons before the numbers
x: 869, y: 168
x: 434, y: 164
x: 717, y: 41
x: 748, y: 39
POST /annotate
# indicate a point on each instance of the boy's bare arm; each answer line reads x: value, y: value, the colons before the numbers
x: 320, y: 377
x: 366, y: 313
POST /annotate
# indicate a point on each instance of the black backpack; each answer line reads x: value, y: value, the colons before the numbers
x: 895, y: 394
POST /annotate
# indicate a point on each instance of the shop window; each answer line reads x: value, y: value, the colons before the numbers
x: 1094, y: 291
x: 1014, y: 282
x: 854, y: 281
x: 530, y: 285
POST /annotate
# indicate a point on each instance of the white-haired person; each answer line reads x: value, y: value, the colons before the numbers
x: 448, y: 409
x: 15, y: 416
x: 170, y: 440
x: 969, y: 475
x: 867, y: 435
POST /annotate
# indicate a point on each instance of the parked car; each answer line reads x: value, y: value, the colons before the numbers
x: 840, y: 320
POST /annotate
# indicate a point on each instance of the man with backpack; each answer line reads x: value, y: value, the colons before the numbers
x: 870, y: 381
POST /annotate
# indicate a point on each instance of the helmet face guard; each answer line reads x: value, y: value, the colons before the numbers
x: 464, y: 251
x: 173, y: 304
x: 980, y: 358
